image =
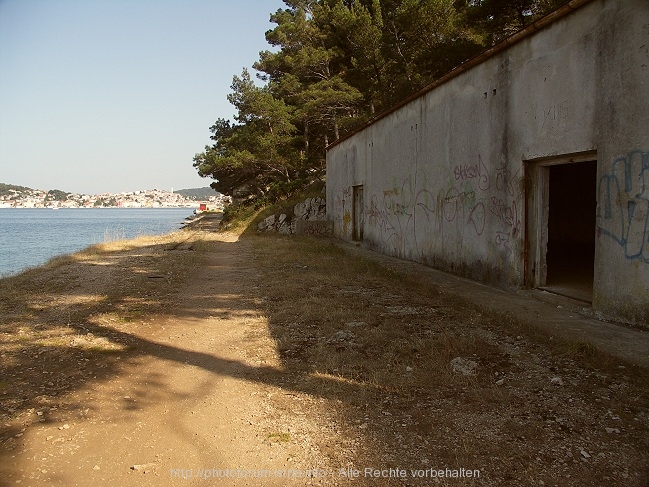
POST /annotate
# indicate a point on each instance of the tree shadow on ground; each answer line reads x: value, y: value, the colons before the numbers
x: 84, y: 321
x: 372, y: 344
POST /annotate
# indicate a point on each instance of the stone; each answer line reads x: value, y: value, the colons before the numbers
x: 341, y: 336
x: 300, y: 210
x: 464, y: 366
x: 310, y: 210
x: 267, y: 223
x: 284, y: 228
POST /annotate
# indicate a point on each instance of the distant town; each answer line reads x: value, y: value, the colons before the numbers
x: 12, y: 196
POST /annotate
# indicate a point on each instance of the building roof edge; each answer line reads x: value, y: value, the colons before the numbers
x: 524, y: 33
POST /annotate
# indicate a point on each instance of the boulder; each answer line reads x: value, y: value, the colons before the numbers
x: 267, y: 223
x: 310, y: 210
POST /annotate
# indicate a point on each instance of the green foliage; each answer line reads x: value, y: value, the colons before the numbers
x: 56, y: 195
x: 495, y: 20
x: 9, y: 189
x: 105, y: 202
x: 246, y: 158
x: 335, y: 64
x: 197, y: 193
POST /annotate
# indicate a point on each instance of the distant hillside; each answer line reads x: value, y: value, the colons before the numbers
x: 197, y: 193
x: 5, y: 189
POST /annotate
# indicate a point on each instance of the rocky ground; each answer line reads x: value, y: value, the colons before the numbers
x: 205, y: 358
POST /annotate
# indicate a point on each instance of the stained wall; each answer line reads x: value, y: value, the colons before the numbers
x: 443, y: 176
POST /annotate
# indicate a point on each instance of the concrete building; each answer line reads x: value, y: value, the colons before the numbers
x: 526, y: 167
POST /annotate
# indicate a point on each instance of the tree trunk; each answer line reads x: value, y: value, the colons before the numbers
x: 406, y: 65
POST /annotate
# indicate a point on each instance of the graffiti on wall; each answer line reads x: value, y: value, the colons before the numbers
x: 623, y: 204
x: 477, y: 171
x: 314, y: 228
x: 476, y: 202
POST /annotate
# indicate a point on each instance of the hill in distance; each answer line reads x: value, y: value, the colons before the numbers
x: 198, y: 193
x: 193, y: 193
x: 5, y: 189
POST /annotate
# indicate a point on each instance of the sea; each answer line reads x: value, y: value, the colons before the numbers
x: 30, y: 237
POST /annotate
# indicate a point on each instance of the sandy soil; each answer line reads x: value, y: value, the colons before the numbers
x: 194, y: 394
x: 169, y: 363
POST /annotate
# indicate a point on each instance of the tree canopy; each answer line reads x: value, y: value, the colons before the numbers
x: 335, y: 64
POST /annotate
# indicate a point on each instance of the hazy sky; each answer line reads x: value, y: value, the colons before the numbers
x: 118, y: 95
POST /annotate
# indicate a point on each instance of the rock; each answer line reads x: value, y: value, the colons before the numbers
x: 557, y: 381
x: 613, y: 430
x: 464, y: 366
x: 317, y: 209
x: 284, y: 228
x: 300, y: 210
x: 500, y: 382
x: 341, y: 336
x: 355, y: 324
x: 409, y: 369
x: 311, y: 209
x: 584, y: 454
x: 267, y: 224
x: 145, y: 467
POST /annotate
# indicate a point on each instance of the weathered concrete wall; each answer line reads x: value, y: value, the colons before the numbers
x: 443, y: 176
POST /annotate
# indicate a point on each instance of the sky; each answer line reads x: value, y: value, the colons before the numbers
x: 102, y: 96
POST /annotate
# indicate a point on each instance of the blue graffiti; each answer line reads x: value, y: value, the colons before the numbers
x: 623, y: 204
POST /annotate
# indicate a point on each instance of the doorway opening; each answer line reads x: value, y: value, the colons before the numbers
x: 561, y: 225
x: 358, y: 216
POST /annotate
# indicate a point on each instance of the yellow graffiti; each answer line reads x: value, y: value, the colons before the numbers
x: 346, y: 220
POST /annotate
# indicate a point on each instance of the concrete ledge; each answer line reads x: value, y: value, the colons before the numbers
x: 560, y: 316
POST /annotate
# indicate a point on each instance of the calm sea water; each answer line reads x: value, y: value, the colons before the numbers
x: 32, y: 236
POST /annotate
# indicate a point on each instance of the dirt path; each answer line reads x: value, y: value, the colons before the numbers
x: 193, y: 400
x: 205, y: 359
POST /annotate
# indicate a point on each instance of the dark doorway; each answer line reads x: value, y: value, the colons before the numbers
x: 570, y: 253
x: 359, y: 213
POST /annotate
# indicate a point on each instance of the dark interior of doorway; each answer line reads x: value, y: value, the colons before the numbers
x: 570, y: 254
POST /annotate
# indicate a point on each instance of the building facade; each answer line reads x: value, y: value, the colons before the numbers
x: 526, y: 167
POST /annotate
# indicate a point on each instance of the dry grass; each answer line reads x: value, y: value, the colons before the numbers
x: 380, y: 343
x: 367, y: 347
x: 345, y: 315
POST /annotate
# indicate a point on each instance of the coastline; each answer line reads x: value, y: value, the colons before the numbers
x: 32, y: 236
